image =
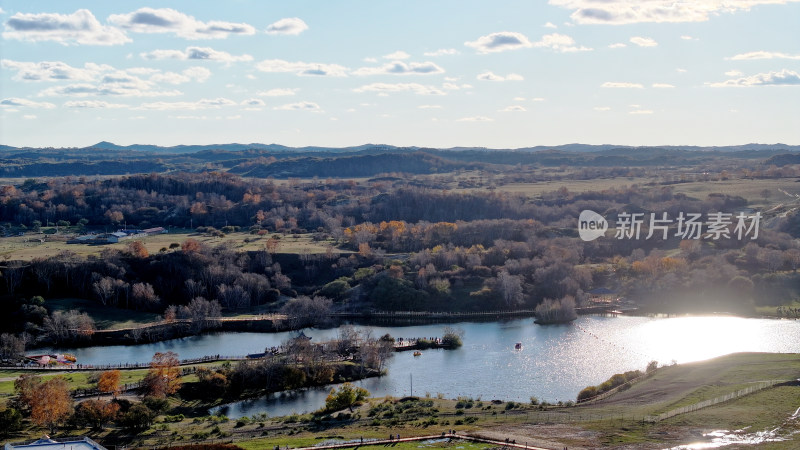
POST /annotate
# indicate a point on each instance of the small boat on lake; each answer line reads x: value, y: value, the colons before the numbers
x: 418, y: 353
x: 518, y: 346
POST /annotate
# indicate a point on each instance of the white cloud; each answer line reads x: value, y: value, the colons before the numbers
x: 491, y: 76
x: 641, y: 112
x: 80, y: 27
x: 386, y: 88
x: 189, y: 117
x: 499, y: 42
x: 25, y: 103
x: 662, y: 85
x: 87, y: 104
x: 618, y: 45
x: 196, y: 53
x: 135, y: 89
x: 643, y: 41
x: 680, y: 70
x: 106, y: 80
x: 475, y: 119
x: 689, y: 38
x: 401, y: 68
x: 29, y: 116
x: 537, y: 99
x: 1, y: 11
x: 612, y: 84
x: 783, y: 78
x: 253, y: 102
x: 513, y: 108
x: 278, y: 92
x: 763, y: 55
x: 442, y: 51
x: 616, y: 12
x: 142, y: 70
x: 456, y: 87
x: 53, y: 71
x: 734, y: 73
x: 300, y: 106
x: 560, y: 43
x: 199, y: 74
x: 302, y: 68
x: 550, y: 25
x: 429, y: 106
x: 200, y: 104
x: 291, y: 26
x: 397, y: 55
x: 167, y: 20
x: 602, y: 108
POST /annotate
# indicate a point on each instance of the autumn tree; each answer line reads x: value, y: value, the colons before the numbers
x: 26, y: 387
x: 138, y: 249
x: 163, y: 378
x: 96, y: 413
x: 109, y: 382
x: 51, y: 403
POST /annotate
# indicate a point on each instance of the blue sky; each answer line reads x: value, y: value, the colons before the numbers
x: 426, y: 73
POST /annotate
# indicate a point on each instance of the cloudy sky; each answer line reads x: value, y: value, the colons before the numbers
x: 428, y: 73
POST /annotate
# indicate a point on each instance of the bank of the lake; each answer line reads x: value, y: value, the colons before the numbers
x: 555, y: 361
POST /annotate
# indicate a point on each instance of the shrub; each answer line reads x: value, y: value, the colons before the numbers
x: 587, y: 393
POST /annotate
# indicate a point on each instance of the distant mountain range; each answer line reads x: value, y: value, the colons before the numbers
x: 235, y: 147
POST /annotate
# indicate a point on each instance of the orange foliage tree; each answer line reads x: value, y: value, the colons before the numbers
x: 163, y: 378
x: 97, y: 413
x: 138, y: 249
x: 51, y: 404
x: 109, y: 382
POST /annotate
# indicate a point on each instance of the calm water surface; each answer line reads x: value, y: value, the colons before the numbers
x: 556, y: 361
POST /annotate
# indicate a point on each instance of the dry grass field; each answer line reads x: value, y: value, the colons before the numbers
x: 38, y: 245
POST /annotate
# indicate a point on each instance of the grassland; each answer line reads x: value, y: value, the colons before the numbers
x: 40, y: 245
x: 752, y: 190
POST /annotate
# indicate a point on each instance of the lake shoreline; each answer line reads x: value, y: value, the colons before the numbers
x: 166, y: 331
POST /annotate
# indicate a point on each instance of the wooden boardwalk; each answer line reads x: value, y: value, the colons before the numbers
x: 393, y: 442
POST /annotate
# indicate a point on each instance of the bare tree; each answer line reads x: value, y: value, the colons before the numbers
x: 306, y: 311
x: 104, y: 289
x: 13, y: 273
x: 204, y: 314
x: 510, y: 288
x: 233, y: 297
x: 144, y: 296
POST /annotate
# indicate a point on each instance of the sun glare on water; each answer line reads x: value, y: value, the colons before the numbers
x: 686, y: 339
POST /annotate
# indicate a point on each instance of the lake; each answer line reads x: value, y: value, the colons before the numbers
x: 555, y: 362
